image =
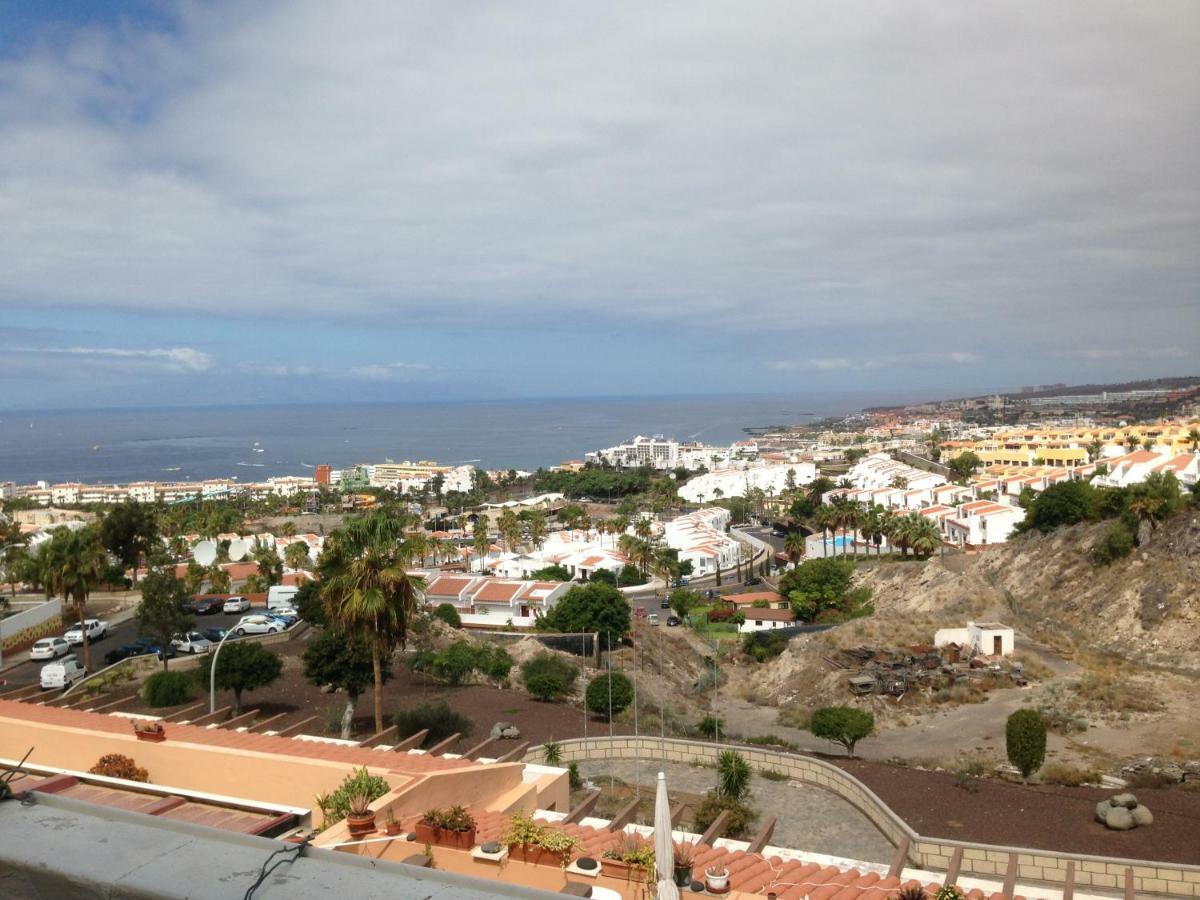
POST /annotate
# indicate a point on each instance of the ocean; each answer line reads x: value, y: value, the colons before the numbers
x: 254, y: 442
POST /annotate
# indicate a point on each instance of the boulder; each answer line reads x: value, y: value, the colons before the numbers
x: 1141, y: 815
x: 1119, y: 818
x: 1126, y: 800
x: 505, y: 730
x: 1102, y: 809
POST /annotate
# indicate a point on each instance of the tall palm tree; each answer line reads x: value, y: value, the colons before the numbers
x: 793, y: 546
x: 481, y: 543
x: 868, y: 522
x: 1193, y: 436
x: 296, y: 555
x: 219, y: 581
x: 825, y: 519
x: 924, y: 536
x: 510, y: 529
x: 270, y: 566
x: 75, y: 560
x: 367, y: 589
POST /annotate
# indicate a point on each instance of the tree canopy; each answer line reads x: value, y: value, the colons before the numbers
x: 163, y: 610
x: 592, y: 607
x: 129, y: 532
x: 241, y: 666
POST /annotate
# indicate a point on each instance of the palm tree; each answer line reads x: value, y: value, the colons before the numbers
x: 793, y: 546
x: 1094, y: 450
x: 295, y: 555
x: 924, y: 536
x: 1193, y: 436
x: 368, y: 591
x: 481, y: 542
x: 869, y: 522
x: 825, y: 519
x: 218, y: 579
x: 270, y: 566
x: 510, y: 529
x: 75, y: 561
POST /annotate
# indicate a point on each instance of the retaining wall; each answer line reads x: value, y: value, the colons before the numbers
x: 932, y: 853
x: 21, y: 629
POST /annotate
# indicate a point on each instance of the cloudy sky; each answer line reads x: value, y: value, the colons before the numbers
x: 393, y: 200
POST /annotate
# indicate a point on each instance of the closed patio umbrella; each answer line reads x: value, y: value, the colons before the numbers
x: 664, y: 844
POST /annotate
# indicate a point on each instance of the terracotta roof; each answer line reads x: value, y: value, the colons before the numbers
x: 447, y: 586
x: 771, y: 615
x: 499, y: 591
x: 400, y: 763
x: 751, y: 598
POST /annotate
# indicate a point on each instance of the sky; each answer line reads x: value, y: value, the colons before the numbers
x: 386, y: 200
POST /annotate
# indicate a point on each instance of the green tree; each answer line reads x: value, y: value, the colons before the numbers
x: 295, y: 555
x: 332, y: 659
x: 270, y: 566
x: 510, y: 529
x: 309, y: 604
x: 793, y: 546
x: 591, y: 607
x: 683, y: 601
x: 481, y: 543
x: 1065, y: 503
x: 162, y: 612
x: 242, y: 666
x: 609, y: 692
x: 1025, y: 740
x: 448, y: 614
x: 193, y: 577
x: 547, y: 677
x: 219, y: 581
x: 816, y: 585
x: 552, y: 573
x: 129, y: 531
x: 368, y: 591
x: 843, y: 725
x: 964, y: 465
x: 73, y: 564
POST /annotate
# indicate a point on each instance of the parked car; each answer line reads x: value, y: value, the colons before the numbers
x: 666, y: 604
x: 257, y: 624
x: 115, y: 655
x: 206, y: 606
x: 753, y: 580
x: 672, y: 621
x: 49, y: 648
x: 281, y: 595
x: 287, y: 621
x: 192, y: 642
x: 151, y: 645
x: 95, y: 630
x: 216, y: 635
x: 652, y: 618
x: 62, y: 674
x: 236, y: 605
x: 641, y: 612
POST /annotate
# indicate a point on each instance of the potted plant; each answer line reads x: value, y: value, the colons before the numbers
x: 716, y: 879
x: 530, y: 841
x: 149, y: 731
x: 451, y: 827
x: 685, y: 859
x: 361, y: 818
x: 632, y: 854
x: 390, y: 824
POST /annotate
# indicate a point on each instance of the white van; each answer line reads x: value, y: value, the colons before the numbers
x: 281, y: 595
x: 62, y: 674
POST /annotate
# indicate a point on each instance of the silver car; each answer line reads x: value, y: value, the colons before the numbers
x: 49, y: 648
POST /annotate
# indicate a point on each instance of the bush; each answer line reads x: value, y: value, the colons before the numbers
x: 1025, y: 740
x: 592, y: 607
x: 1116, y: 543
x: 574, y: 779
x: 168, y: 689
x: 772, y: 740
x: 448, y: 614
x: 114, y: 765
x: 763, y: 645
x: 843, y: 725
x: 601, y: 576
x: 1068, y: 775
x: 336, y: 806
x: 741, y: 816
x: 710, y: 727
x: 794, y: 717
x: 609, y: 692
x: 438, y: 717
x: 772, y: 775
x: 547, y: 677
x: 553, y: 573
x: 733, y: 776
x: 629, y: 577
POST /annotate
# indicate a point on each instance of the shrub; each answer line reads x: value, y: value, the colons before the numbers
x: 1025, y: 741
x: 1068, y: 775
x: 554, y: 573
x: 603, y: 576
x: 772, y: 775
x: 547, y: 677
x: 609, y: 693
x: 629, y: 577
x: 336, y: 806
x: 438, y: 717
x: 114, y: 765
x: 1116, y: 543
x: 168, y: 689
x: 741, y: 816
x: 843, y: 725
x: 710, y: 727
x: 794, y: 717
x: 733, y: 775
x: 573, y: 777
x: 448, y: 614
x: 552, y: 753
x: 772, y: 740
x: 763, y: 645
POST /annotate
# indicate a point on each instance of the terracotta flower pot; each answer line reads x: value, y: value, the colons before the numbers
x: 394, y: 828
x: 616, y: 868
x: 444, y: 837
x: 361, y: 825
x: 153, y: 736
x: 533, y: 854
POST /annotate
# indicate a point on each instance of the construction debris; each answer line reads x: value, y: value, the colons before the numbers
x: 894, y: 671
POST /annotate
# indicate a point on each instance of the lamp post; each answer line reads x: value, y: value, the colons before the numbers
x: 212, y: 673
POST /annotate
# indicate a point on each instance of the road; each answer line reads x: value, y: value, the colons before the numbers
x: 122, y: 631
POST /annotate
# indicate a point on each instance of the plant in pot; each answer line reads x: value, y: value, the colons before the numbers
x: 149, y: 731
x: 361, y: 818
x: 716, y: 879
x: 685, y: 859
x: 450, y: 827
x: 530, y: 841
x: 631, y: 855
x: 390, y: 824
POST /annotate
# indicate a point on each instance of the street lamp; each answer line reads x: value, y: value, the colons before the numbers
x: 212, y: 673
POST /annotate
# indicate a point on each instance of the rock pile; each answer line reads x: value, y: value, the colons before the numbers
x: 1123, y: 812
x: 505, y: 731
x: 1169, y: 771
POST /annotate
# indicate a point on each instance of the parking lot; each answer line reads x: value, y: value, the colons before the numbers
x: 123, y: 631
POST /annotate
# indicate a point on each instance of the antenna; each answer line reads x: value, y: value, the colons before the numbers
x: 205, y: 553
x: 238, y: 548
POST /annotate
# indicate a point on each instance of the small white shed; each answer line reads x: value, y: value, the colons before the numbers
x: 986, y: 638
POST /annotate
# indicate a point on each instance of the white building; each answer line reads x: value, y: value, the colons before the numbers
x: 881, y: 471
x: 657, y: 452
x: 701, y: 540
x: 985, y: 638
x: 737, y: 482
x: 1133, y: 468
x: 485, y: 602
x: 982, y: 522
x: 758, y: 619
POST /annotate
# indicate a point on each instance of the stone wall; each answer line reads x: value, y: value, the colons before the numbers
x: 932, y: 853
x: 21, y: 629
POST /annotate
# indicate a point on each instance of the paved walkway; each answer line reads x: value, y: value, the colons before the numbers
x: 809, y: 818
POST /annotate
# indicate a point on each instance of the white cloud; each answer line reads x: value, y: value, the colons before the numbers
x: 868, y: 364
x: 948, y: 169
x: 181, y: 360
x: 386, y: 371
